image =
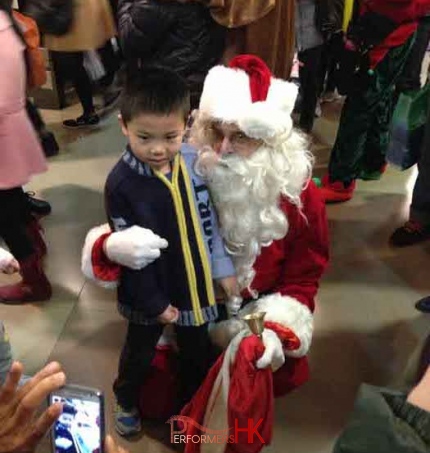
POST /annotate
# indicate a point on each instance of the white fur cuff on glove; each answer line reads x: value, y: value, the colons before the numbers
x: 274, y: 354
x: 134, y: 247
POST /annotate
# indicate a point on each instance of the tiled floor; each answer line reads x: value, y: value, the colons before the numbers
x: 366, y: 326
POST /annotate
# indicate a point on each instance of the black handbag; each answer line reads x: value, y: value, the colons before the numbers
x: 53, y: 17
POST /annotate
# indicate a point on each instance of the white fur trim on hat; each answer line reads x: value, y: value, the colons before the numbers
x: 226, y: 97
x: 86, y: 258
x: 288, y: 312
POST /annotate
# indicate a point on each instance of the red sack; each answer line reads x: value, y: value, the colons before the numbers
x: 250, y: 398
x: 158, y: 395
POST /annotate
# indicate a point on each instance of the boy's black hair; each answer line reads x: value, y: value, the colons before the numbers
x: 153, y: 89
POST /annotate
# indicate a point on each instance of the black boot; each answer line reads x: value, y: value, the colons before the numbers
x: 423, y: 305
x: 38, y: 207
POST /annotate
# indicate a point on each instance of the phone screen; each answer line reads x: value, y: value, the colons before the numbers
x: 79, y: 428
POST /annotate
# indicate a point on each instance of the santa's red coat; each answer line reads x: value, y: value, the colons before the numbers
x: 287, y: 278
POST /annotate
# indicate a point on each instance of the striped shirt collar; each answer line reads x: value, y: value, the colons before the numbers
x: 135, y: 164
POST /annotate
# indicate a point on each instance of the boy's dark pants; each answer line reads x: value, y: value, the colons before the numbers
x: 196, y: 356
x: 363, y: 134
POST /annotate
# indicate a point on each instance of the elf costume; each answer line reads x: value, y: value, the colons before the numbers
x: 388, y: 27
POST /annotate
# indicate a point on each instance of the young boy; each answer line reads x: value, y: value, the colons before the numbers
x: 154, y: 186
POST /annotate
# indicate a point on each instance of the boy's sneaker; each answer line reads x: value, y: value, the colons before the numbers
x: 127, y: 422
x: 412, y: 232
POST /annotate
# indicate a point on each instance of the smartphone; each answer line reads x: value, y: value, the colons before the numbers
x: 81, y: 426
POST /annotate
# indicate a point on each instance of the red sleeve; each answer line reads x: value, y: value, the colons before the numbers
x: 307, y: 248
x: 103, y: 268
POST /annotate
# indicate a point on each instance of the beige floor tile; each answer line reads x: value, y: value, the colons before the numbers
x: 34, y: 329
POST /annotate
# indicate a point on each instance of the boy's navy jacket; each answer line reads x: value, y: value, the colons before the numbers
x: 178, y: 208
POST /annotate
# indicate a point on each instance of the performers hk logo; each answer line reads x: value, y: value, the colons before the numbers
x: 205, y: 435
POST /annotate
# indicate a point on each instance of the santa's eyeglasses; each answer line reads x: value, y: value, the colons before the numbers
x: 229, y: 138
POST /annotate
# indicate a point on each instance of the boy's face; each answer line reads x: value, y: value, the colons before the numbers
x: 155, y: 139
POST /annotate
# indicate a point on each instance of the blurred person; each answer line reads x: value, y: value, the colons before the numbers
x: 385, y: 30
x: 264, y: 28
x: 22, y: 157
x: 417, y: 228
x: 389, y: 421
x: 330, y: 20
x: 92, y: 26
x: 178, y: 34
x: 410, y: 79
x: 309, y: 43
x: 22, y: 424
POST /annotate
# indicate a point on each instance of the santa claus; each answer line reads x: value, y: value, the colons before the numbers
x: 258, y: 170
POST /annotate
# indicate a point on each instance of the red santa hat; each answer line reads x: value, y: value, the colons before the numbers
x: 246, y: 94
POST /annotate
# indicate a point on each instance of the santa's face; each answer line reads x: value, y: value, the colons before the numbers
x: 227, y: 139
x: 246, y: 187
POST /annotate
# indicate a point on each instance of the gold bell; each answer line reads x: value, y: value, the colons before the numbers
x: 255, y: 322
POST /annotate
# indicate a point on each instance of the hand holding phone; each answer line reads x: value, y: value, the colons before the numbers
x: 21, y: 429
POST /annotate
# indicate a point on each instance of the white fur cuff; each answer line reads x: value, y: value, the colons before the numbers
x: 86, y: 258
x: 288, y: 312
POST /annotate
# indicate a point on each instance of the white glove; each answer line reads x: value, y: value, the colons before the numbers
x: 274, y: 354
x: 135, y: 247
x: 233, y: 306
x: 8, y: 264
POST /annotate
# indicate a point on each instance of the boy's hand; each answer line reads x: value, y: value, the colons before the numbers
x: 230, y: 286
x: 169, y: 316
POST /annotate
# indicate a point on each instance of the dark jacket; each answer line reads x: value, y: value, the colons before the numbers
x: 181, y: 212
x: 384, y: 422
x: 181, y: 36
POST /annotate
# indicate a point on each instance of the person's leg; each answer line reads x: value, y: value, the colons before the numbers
x: 17, y: 230
x: 135, y: 362
x: 410, y: 78
x: 378, y: 137
x: 358, y: 139
x: 83, y: 85
x: 13, y: 224
x: 309, y: 86
x: 35, y: 118
x: 72, y: 68
x: 324, y: 63
x: 196, y: 356
x: 417, y: 228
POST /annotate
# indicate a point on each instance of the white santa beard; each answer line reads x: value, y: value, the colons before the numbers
x: 246, y: 192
